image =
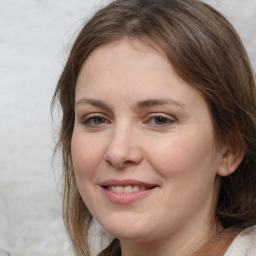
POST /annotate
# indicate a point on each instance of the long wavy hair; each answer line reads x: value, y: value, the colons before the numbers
x: 206, y: 52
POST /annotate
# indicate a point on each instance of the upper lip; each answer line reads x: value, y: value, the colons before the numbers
x: 126, y: 182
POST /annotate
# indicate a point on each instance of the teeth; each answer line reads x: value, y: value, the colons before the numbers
x: 126, y: 189
x: 113, y: 188
x: 119, y: 189
x: 135, y: 188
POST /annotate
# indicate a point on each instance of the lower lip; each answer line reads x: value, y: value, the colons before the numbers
x: 126, y: 198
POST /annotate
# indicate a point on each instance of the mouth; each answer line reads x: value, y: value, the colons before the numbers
x: 128, y: 188
x: 127, y: 191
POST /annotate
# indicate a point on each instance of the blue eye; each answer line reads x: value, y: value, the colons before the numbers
x: 95, y: 121
x: 161, y: 121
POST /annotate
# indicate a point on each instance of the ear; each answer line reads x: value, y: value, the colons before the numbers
x: 231, y: 158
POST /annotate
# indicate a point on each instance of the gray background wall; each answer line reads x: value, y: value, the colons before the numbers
x: 35, y: 38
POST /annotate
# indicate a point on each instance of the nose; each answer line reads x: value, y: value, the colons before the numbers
x: 123, y: 149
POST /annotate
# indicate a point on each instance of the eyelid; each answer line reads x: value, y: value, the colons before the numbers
x: 94, y: 114
x: 159, y: 114
x: 86, y: 118
x: 170, y: 118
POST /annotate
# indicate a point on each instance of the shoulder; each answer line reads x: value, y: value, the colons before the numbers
x: 244, y: 244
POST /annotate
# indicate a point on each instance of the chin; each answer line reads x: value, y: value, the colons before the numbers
x: 125, y: 232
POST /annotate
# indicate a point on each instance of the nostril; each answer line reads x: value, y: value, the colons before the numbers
x: 120, y: 164
x: 127, y: 162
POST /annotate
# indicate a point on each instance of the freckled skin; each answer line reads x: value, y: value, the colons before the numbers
x: 177, y: 153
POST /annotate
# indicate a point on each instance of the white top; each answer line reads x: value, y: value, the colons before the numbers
x: 244, y: 244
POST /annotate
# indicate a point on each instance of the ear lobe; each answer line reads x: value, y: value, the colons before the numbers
x: 230, y: 161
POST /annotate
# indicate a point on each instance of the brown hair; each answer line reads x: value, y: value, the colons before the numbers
x: 206, y: 52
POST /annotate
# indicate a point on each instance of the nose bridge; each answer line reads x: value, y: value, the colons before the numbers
x: 123, y: 147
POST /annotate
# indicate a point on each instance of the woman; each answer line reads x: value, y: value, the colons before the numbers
x: 158, y: 131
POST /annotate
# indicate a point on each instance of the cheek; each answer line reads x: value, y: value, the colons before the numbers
x: 186, y: 156
x: 86, y: 155
x: 188, y: 167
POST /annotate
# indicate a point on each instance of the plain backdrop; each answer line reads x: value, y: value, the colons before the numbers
x: 35, y: 38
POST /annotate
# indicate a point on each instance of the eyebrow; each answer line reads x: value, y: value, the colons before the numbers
x: 140, y: 105
x: 93, y: 102
x: 159, y: 102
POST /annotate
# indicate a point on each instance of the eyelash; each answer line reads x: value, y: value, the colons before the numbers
x: 92, y: 118
x: 167, y: 121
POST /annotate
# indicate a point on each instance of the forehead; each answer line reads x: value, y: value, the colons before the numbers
x: 129, y: 49
x: 128, y: 61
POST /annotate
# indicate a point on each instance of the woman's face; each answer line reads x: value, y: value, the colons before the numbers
x: 143, y: 149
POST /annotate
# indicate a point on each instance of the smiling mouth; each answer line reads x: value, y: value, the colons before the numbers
x: 128, y: 189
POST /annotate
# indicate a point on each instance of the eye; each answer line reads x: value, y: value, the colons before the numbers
x: 160, y: 120
x: 95, y: 120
